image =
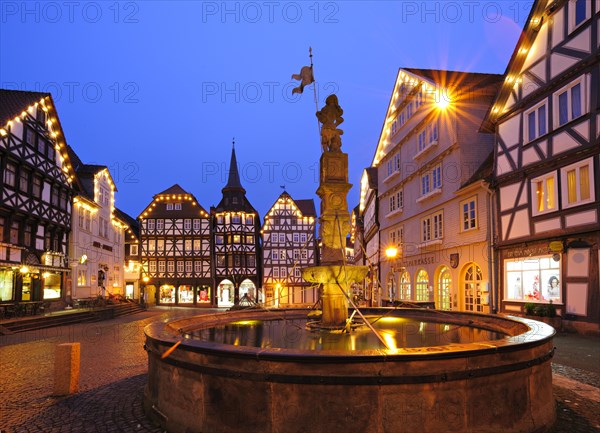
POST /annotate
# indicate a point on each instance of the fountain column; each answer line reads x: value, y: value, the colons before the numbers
x: 334, y: 223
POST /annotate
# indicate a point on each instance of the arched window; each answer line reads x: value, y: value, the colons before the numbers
x: 445, y: 289
x: 472, y: 286
x: 405, y: 286
x: 422, y: 286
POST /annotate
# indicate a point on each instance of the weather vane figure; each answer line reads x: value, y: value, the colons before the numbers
x: 331, y: 117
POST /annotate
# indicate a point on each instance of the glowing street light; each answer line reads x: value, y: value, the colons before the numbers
x: 391, y: 252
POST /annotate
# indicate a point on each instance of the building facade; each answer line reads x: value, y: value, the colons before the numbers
x: 175, y: 250
x: 35, y: 200
x: 433, y: 202
x: 288, y: 246
x: 547, y: 166
x: 369, y: 213
x: 236, y: 243
x: 96, y: 242
x: 131, y: 264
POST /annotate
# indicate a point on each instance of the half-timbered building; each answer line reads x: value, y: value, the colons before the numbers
x: 547, y: 168
x: 175, y: 250
x: 96, y: 243
x: 35, y: 199
x: 370, y: 217
x: 288, y: 246
x: 236, y: 243
x: 131, y: 261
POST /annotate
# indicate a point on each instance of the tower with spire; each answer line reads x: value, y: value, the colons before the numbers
x: 236, y: 243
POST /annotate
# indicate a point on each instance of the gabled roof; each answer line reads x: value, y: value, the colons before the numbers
x: 307, y: 207
x: 174, y: 190
x: 483, y: 172
x: 85, y: 173
x: 372, y: 177
x: 518, y: 58
x: 133, y: 224
x: 14, y: 102
x: 452, y: 79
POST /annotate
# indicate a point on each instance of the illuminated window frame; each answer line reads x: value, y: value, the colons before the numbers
x: 535, y: 191
x: 578, y: 168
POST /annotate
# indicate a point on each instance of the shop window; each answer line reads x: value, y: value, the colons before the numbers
x: 51, y: 286
x: 532, y: 279
x: 6, y: 285
x: 204, y: 294
x: 186, y: 294
x: 167, y: 294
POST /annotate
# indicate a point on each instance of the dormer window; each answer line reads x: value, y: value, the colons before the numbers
x: 169, y: 206
x: 177, y: 206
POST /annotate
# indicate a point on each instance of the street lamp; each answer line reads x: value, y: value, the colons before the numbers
x: 391, y: 252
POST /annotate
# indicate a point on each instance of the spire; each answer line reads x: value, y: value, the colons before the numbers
x: 233, y: 183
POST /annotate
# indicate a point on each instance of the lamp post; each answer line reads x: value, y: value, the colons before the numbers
x: 391, y: 253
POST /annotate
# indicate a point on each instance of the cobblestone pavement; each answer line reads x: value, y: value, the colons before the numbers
x: 112, y: 379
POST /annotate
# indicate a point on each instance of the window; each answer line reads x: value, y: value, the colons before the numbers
x: 237, y: 261
x: 390, y: 167
x: 296, y: 237
x: 577, y: 183
x: 133, y: 249
x: 151, y: 245
x: 171, y: 266
x: 579, y: 12
x: 104, y: 196
x: 24, y: 180
x: 425, y: 184
x: 81, y: 218
x: 198, y: 266
x: 88, y: 220
x: 422, y: 140
x: 473, y: 287
x: 160, y: 224
x: 275, y: 254
x: 532, y: 279
x: 160, y: 245
x: 436, y: 175
x: 275, y: 272
x: 249, y: 239
x: 54, y: 195
x: 220, y: 260
x: 303, y: 237
x: 187, y: 224
x: 236, y: 219
x: 419, y: 98
x: 432, y: 227
x: 296, y: 255
x: 177, y: 206
x: 297, y: 273
x: 2, y: 225
x: 150, y: 224
x: 431, y: 181
x: 197, y: 245
x: 283, y: 272
x: 282, y: 255
x: 82, y: 277
x: 219, y: 219
x: 304, y: 254
x: 569, y: 103
x: 189, y: 266
x: 250, y: 219
x: 536, y: 122
x: 10, y: 174
x: 544, y: 192
x: 197, y: 224
x: 397, y: 162
x: 27, y: 235
x: 169, y: 206
x: 63, y: 199
x: 422, y: 286
x: 469, y: 214
x: 251, y: 261
x: 392, y: 203
x: 36, y: 187
x: 180, y: 266
x: 405, y: 286
x: 392, y: 237
x: 30, y: 136
x: 219, y: 239
x: 281, y: 238
x: 188, y: 245
x: 237, y: 239
x: 152, y: 266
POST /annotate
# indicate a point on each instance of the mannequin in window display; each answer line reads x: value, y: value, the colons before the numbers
x: 553, y: 287
x: 518, y: 289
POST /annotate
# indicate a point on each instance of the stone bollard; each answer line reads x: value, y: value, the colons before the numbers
x: 66, y: 369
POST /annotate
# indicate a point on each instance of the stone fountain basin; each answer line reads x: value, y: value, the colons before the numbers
x: 490, y: 386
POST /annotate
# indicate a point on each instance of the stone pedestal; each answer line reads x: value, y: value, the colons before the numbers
x: 66, y: 369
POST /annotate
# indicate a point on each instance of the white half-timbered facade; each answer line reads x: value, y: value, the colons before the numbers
x: 369, y: 214
x: 547, y: 163
x: 96, y: 242
x: 175, y: 250
x: 35, y: 200
x: 288, y: 246
x: 236, y: 243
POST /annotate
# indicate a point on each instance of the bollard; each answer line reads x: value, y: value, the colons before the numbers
x: 66, y: 369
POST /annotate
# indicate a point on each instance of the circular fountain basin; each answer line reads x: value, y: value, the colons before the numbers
x: 250, y: 371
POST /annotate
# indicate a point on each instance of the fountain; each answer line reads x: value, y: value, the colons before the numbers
x: 389, y: 370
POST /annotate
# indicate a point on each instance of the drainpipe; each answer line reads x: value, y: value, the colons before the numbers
x: 492, y: 265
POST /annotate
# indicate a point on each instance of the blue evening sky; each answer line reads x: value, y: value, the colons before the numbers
x: 157, y: 90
